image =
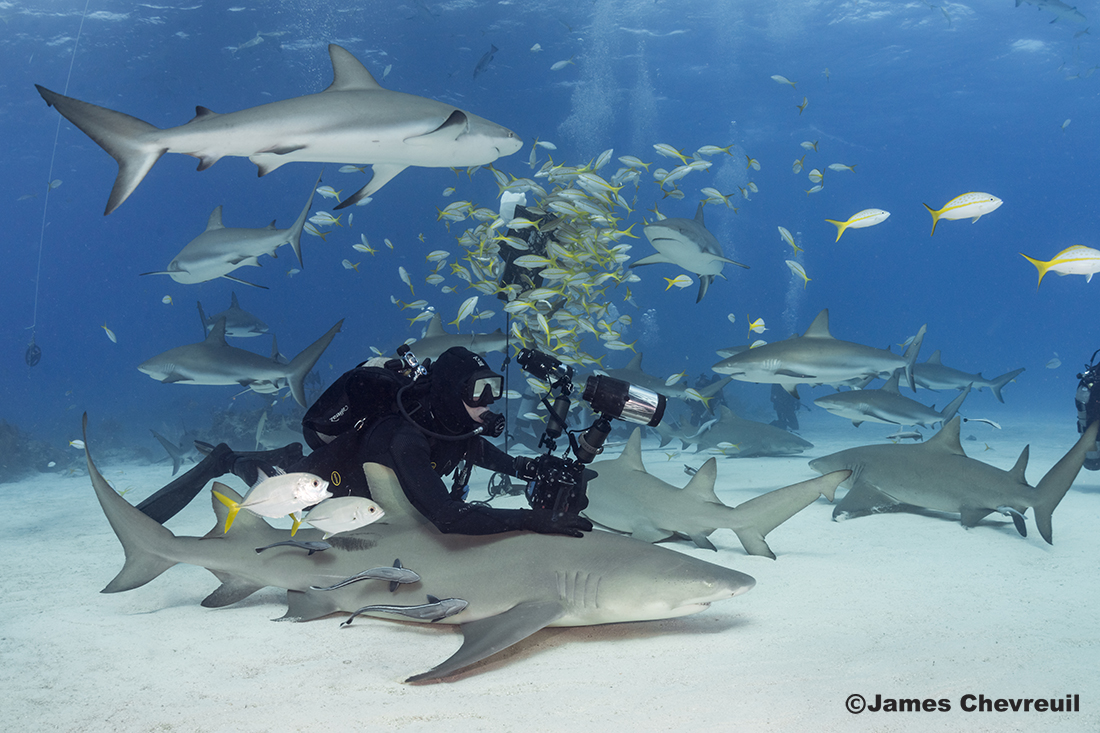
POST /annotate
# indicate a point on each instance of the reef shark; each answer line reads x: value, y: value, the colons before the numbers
x: 220, y: 250
x: 1060, y: 9
x: 436, y: 341
x: 214, y: 362
x: 938, y: 475
x: 749, y: 437
x: 513, y: 584
x: 633, y: 373
x: 627, y: 498
x: 353, y: 121
x: 887, y: 405
x: 816, y: 357
x: 932, y: 374
x: 688, y: 244
x: 239, y: 323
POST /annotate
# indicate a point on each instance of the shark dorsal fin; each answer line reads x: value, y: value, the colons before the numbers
x: 725, y: 414
x: 635, y: 363
x: 702, y: 483
x: 215, y: 220
x: 632, y: 453
x: 385, y: 489
x: 819, y: 329
x: 202, y: 113
x: 435, y: 327
x: 699, y: 216
x: 216, y: 337
x: 892, y: 383
x: 348, y: 74
x: 935, y: 358
x: 1017, y: 471
x: 947, y: 439
x: 233, y: 301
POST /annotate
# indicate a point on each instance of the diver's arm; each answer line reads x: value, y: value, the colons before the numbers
x: 429, y: 496
x: 485, y: 454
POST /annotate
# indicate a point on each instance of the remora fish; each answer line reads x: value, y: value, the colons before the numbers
x: 816, y: 357
x: 220, y: 250
x: 625, y: 497
x: 687, y: 243
x: 932, y: 374
x: 312, y: 547
x: 937, y: 474
x: 887, y: 405
x: 432, y: 611
x: 395, y: 574
x: 214, y: 362
x: 353, y: 121
x: 516, y: 583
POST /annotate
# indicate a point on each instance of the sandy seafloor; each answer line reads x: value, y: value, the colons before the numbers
x: 899, y: 605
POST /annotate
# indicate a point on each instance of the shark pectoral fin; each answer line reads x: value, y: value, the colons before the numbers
x: 701, y: 541
x: 728, y: 261
x: 487, y: 636
x: 704, y: 285
x: 452, y: 128
x: 970, y: 516
x: 653, y: 259
x: 175, y: 377
x: 383, y: 174
x: 1017, y: 519
x: 244, y: 282
x: 647, y: 532
x: 794, y: 375
x: 863, y: 498
x: 231, y: 590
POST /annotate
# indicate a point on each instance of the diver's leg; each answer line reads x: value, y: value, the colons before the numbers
x: 167, y: 502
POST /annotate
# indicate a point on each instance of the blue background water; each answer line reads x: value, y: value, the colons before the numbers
x: 926, y: 107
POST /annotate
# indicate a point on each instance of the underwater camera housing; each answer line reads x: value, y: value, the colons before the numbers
x: 1087, y: 401
x: 556, y: 483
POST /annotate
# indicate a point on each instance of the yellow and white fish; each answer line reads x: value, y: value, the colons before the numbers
x: 670, y: 152
x: 859, y: 220
x: 329, y: 192
x: 680, y: 281
x: 785, y: 234
x: 756, y: 326
x: 349, y: 265
x: 674, y: 379
x: 404, y: 274
x: 561, y: 64
x: 842, y: 167
x: 799, y: 270
x: 342, y: 514
x: 110, y: 334
x: 973, y: 206
x: 464, y: 310
x: 277, y: 496
x: 167, y: 300
x: 782, y: 80
x: 1075, y: 260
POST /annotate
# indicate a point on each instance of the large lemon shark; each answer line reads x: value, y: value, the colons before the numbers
x: 353, y: 121
x: 513, y: 584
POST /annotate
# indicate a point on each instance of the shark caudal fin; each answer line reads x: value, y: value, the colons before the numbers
x: 141, y: 537
x: 1058, y: 480
x: 910, y: 356
x: 300, y: 366
x: 294, y: 234
x: 1001, y: 381
x: 119, y: 134
x: 756, y: 517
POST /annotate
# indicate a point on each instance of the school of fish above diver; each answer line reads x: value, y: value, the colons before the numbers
x: 553, y: 264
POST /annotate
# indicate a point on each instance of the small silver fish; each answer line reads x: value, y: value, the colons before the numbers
x: 312, y: 546
x: 433, y: 610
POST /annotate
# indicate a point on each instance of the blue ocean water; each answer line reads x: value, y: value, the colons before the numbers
x: 927, y: 102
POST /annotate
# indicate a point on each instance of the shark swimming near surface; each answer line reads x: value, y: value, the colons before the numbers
x: 816, y: 357
x: 220, y: 250
x: 933, y: 374
x: 888, y: 405
x: 687, y: 243
x: 239, y: 323
x: 627, y: 498
x: 937, y: 474
x: 214, y: 362
x: 436, y: 341
x: 513, y: 584
x: 353, y: 121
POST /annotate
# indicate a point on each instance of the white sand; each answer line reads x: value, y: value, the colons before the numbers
x: 900, y: 605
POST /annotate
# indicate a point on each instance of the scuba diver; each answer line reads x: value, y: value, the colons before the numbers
x: 786, y: 409
x: 421, y: 428
x: 1087, y: 401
